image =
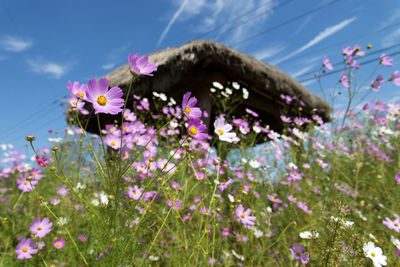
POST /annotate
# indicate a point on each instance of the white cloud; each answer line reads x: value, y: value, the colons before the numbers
x: 108, y: 66
x: 302, y: 71
x: 213, y: 13
x: 393, y: 18
x: 268, y: 52
x: 321, y: 36
x: 391, y: 39
x: 51, y: 69
x: 14, y: 44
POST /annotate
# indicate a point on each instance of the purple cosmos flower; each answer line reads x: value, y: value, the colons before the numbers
x: 175, y: 186
x: 40, y: 228
x: 223, y: 129
x: 392, y: 225
x: 25, y: 249
x: 77, y: 90
x: 141, y: 65
x: 25, y: 184
x: 134, y: 192
x: 244, y: 216
x: 186, y: 217
x: 297, y: 252
x: 225, y: 232
x: 274, y: 199
x: 82, y: 237
x: 59, y: 243
x: 62, y: 190
x: 129, y: 115
x: 386, y: 60
x: 55, y: 200
x: 150, y: 196
x: 188, y: 106
x: 303, y: 207
x: 395, y: 78
x: 397, y: 177
x: 36, y: 174
x: 196, y: 127
x: 327, y: 63
x: 104, y: 100
x: 376, y: 84
x: 343, y: 79
x: 224, y: 185
x: 77, y: 104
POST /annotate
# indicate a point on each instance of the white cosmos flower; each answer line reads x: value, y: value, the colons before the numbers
x: 240, y: 257
x: 375, y: 254
x: 223, y: 129
x: 309, y: 235
x: 236, y: 85
x: 218, y: 85
x: 245, y: 93
x: 395, y: 241
x: 258, y: 233
x: 254, y: 163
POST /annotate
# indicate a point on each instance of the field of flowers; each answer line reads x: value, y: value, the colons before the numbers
x: 167, y: 191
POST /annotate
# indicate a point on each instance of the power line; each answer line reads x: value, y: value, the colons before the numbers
x: 364, y: 63
x: 286, y: 22
x: 243, y: 15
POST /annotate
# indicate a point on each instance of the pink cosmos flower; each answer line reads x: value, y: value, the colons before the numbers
x: 343, y: 79
x: 77, y: 104
x: 397, y: 177
x: 40, y: 228
x: 188, y: 106
x: 386, y: 60
x: 274, y: 199
x: 327, y: 63
x: 113, y: 141
x: 244, y: 216
x: 129, y: 115
x: 62, y: 190
x: 376, y: 84
x: 25, y: 249
x: 225, y: 232
x: 297, y: 252
x: 104, y: 100
x: 26, y: 185
x: 392, y: 225
x: 41, y: 161
x: 223, y: 129
x: 77, y: 90
x: 395, y: 78
x: 141, y: 65
x: 175, y: 205
x: 303, y: 207
x: 82, y: 237
x: 196, y: 128
x: 134, y: 192
x: 59, y: 243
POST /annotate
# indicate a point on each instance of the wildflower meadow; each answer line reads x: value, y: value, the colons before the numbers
x: 160, y: 187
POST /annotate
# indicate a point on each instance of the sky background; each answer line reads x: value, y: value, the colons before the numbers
x: 44, y: 44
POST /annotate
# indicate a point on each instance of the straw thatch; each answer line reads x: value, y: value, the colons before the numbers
x: 196, y: 65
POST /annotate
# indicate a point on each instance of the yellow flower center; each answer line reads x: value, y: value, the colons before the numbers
x: 243, y: 215
x: 220, y: 132
x: 101, y: 100
x: 58, y: 244
x: 396, y: 224
x: 187, y: 110
x: 125, y: 128
x: 373, y: 254
x: 33, y: 173
x: 25, y: 249
x: 25, y: 183
x: 298, y: 254
x: 125, y: 154
x: 134, y: 192
x: 39, y: 228
x: 80, y: 94
x: 193, y: 130
x: 74, y: 103
x: 113, y: 143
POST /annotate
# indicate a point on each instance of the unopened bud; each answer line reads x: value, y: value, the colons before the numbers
x: 55, y: 148
x: 53, y: 168
x: 30, y: 138
x: 369, y: 46
x: 111, y: 197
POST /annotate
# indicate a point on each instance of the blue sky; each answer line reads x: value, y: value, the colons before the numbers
x: 43, y: 44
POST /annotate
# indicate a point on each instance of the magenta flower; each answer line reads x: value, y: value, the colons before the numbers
x: 397, y: 177
x: 104, y: 100
x: 59, y: 243
x: 343, y: 79
x: 297, y: 252
x: 303, y: 207
x: 188, y: 106
x: 77, y: 90
x: 327, y: 63
x: 395, y: 78
x: 40, y: 228
x: 225, y: 232
x: 386, y: 60
x: 244, y: 216
x: 141, y: 65
x: 134, y: 192
x: 196, y: 128
x: 25, y: 249
x: 41, y: 161
x: 82, y: 237
x: 26, y: 185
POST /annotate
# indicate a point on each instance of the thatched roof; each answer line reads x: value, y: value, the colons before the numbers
x: 196, y: 65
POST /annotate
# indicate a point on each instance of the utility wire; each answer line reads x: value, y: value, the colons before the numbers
x: 364, y: 63
x: 242, y: 15
x: 286, y: 22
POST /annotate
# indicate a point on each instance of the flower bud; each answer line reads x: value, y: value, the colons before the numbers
x: 53, y: 168
x: 30, y: 138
